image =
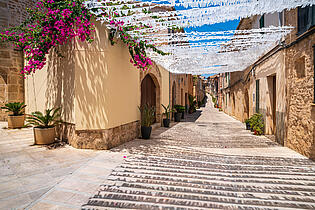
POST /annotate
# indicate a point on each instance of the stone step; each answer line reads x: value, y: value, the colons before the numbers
x: 252, y: 199
x: 290, y: 163
x: 166, y: 166
x: 215, y: 203
x: 217, y: 190
x: 226, y: 176
x: 224, y: 166
x: 211, y: 180
x: 248, y: 187
x: 126, y: 204
x: 181, y: 172
x: 218, y: 157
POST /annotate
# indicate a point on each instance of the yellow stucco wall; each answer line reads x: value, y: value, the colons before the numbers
x: 107, y: 85
x: 95, y: 84
x: 53, y: 86
x: 165, y: 96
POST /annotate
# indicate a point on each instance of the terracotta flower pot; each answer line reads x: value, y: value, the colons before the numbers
x: 16, y: 121
x: 44, y: 135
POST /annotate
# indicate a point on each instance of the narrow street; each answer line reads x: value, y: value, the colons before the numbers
x: 207, y: 162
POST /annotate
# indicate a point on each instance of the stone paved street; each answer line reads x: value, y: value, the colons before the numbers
x: 208, y: 162
x: 33, y: 177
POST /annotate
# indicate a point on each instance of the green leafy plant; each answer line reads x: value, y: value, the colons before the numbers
x: 147, y: 115
x: 257, y: 123
x: 16, y: 108
x: 50, y: 119
x: 179, y: 108
x: 167, y: 111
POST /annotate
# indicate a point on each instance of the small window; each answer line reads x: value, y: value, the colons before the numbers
x: 300, y: 67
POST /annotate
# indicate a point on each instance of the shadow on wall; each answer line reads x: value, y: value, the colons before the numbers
x: 106, y: 85
x: 60, y: 82
x: 92, y: 70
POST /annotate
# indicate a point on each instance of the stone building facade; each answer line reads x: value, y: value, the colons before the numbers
x: 280, y: 84
x: 181, y: 87
x: 12, y: 13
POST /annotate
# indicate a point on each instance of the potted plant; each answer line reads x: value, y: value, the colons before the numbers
x: 178, y: 114
x: 256, y: 124
x: 166, y: 121
x: 147, y: 119
x: 44, y: 125
x: 247, y: 122
x: 16, y: 119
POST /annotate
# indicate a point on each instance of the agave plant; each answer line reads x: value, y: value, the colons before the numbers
x: 47, y: 120
x: 16, y: 108
x: 167, y: 111
x: 147, y: 115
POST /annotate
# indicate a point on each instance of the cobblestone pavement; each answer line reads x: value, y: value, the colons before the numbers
x: 208, y: 162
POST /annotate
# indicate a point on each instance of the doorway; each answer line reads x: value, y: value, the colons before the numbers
x: 246, y: 108
x: 272, y: 86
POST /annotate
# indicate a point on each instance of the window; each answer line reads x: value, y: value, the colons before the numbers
x: 262, y: 21
x: 300, y: 67
x: 257, y: 96
x: 306, y: 18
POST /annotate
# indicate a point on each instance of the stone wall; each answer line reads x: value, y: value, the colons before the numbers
x: 12, y: 13
x: 101, y: 139
x: 300, y: 90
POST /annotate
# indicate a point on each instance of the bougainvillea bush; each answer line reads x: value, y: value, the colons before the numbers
x: 50, y: 24
x: 53, y: 23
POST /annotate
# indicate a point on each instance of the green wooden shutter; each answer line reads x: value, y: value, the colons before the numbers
x: 257, y: 96
x: 262, y: 21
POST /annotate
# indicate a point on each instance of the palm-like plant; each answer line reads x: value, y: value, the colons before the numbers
x: 167, y: 111
x: 147, y: 115
x: 16, y: 108
x: 47, y: 120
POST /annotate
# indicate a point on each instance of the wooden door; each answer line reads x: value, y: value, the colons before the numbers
x: 148, y: 91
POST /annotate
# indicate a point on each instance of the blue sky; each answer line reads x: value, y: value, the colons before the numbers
x: 229, y: 25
